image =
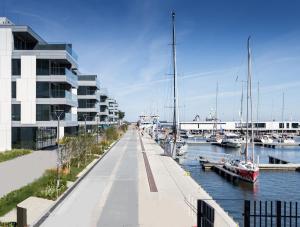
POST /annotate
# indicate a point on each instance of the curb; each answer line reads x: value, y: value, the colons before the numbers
x: 69, y: 190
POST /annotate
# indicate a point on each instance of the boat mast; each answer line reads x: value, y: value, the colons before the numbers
x: 241, y: 113
x: 216, y: 113
x: 257, y: 108
x: 248, y: 97
x: 175, y: 100
x: 251, y: 103
x: 282, y: 114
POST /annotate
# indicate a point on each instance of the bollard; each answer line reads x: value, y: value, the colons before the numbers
x: 21, y: 217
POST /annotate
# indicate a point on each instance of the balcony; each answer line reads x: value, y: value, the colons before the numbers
x: 59, y: 74
x: 88, y: 80
x: 89, y: 108
x: 92, y: 95
x: 58, y: 46
x: 60, y: 97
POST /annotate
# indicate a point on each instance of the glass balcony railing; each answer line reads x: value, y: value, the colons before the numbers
x: 57, y: 46
x: 64, y: 94
x: 71, y: 77
x: 70, y: 117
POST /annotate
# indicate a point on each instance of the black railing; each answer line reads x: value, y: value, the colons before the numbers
x: 205, y: 214
x: 271, y: 213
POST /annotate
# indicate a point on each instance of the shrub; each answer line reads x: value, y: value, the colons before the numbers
x: 8, y: 155
x: 111, y: 133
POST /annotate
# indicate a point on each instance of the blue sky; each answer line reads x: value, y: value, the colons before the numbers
x: 127, y: 42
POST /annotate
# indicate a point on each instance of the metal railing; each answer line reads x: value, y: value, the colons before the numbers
x: 271, y: 213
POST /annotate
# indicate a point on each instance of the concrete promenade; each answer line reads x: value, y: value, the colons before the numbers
x: 23, y: 170
x: 117, y: 191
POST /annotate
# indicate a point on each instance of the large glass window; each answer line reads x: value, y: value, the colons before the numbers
x: 16, y: 112
x: 16, y: 67
x: 42, y: 112
x: 42, y: 67
x: 295, y: 125
x: 13, y: 89
x: 42, y: 90
x: 281, y: 125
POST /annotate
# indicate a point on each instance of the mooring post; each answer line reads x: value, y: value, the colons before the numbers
x: 21, y: 217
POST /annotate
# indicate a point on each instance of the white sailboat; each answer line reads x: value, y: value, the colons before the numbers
x: 246, y: 169
x: 176, y: 146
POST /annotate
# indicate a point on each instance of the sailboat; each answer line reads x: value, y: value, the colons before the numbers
x: 284, y: 139
x: 215, y: 138
x: 246, y: 169
x: 174, y: 144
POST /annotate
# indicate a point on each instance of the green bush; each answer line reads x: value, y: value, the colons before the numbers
x: 111, y: 133
x: 7, y: 155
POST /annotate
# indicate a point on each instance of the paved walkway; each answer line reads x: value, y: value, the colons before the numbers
x: 108, y: 195
x: 116, y: 193
x: 22, y: 170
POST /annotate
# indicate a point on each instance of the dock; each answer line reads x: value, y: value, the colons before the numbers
x: 274, y: 145
x: 228, y: 175
x: 276, y: 160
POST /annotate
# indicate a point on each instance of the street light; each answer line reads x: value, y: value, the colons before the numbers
x: 98, y: 116
x: 58, y: 114
x: 85, y: 117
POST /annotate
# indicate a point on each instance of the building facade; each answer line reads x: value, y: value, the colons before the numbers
x: 38, y: 84
x: 113, y: 109
x: 235, y: 126
x: 42, y: 93
x: 88, y: 101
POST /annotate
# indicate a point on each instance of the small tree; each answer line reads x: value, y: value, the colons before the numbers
x: 121, y: 115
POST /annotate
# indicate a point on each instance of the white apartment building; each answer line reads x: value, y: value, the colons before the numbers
x: 113, y: 109
x: 88, y: 100
x: 38, y: 84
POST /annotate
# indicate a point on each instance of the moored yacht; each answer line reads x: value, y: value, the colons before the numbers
x: 285, y: 139
x: 246, y: 169
x: 231, y: 140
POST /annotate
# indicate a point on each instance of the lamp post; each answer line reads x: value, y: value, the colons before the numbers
x: 58, y: 114
x: 85, y: 117
x: 98, y: 116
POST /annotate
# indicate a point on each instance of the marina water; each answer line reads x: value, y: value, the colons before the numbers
x: 271, y: 185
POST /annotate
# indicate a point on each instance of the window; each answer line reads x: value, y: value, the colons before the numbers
x: 288, y: 125
x: 16, y: 67
x: 42, y: 112
x: 281, y: 125
x: 16, y: 112
x: 42, y: 67
x: 295, y: 125
x: 13, y: 90
x: 42, y: 90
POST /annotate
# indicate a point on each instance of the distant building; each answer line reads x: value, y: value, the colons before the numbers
x: 234, y: 126
x: 88, y: 100
x: 113, y: 111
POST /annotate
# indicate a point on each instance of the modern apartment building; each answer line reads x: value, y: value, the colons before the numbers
x: 88, y: 101
x: 38, y: 84
x: 113, y: 109
x: 103, y: 106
